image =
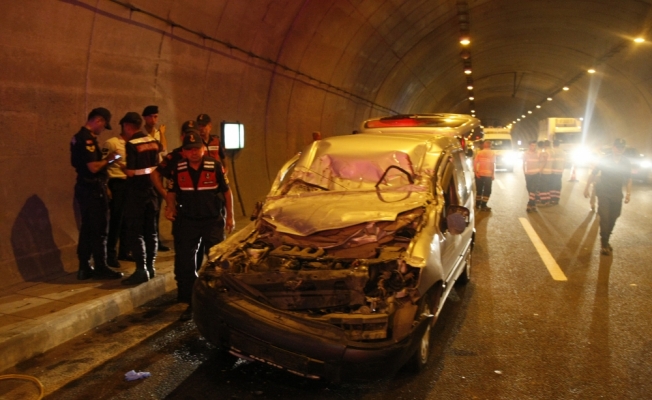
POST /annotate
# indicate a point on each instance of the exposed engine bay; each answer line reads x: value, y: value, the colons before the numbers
x: 355, y: 277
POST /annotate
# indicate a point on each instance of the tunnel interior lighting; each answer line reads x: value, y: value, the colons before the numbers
x: 470, y: 87
x: 233, y: 135
x: 591, y: 71
x: 465, y: 40
x: 566, y: 88
x: 471, y: 98
x: 538, y: 105
x: 467, y: 71
x: 529, y: 112
x: 639, y: 40
x: 549, y: 99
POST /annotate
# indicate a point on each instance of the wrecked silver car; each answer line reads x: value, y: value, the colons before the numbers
x: 349, y: 260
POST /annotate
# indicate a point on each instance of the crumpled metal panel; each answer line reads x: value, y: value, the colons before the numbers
x: 333, y: 210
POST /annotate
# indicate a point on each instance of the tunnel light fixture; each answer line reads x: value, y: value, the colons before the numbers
x: 467, y: 71
x: 566, y: 88
x: 470, y: 87
x: 473, y: 111
x: 529, y: 112
x: 233, y: 135
x: 465, y: 40
x: 518, y: 119
x: 538, y: 105
x: 549, y: 99
x: 471, y: 98
x: 591, y: 71
x: 639, y: 40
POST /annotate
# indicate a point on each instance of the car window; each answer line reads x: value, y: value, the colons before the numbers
x: 463, y: 178
x: 449, y: 188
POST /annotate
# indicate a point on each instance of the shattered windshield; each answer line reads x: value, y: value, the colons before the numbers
x: 350, y: 172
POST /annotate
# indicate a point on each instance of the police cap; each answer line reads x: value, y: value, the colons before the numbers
x: 101, y: 112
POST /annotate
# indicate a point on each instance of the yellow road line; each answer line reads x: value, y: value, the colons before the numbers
x: 553, y: 268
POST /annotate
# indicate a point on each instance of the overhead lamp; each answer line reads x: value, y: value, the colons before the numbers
x: 467, y: 71
x: 473, y: 111
x: 538, y: 105
x: 470, y: 87
x: 513, y: 122
x: 471, y: 98
x: 549, y: 99
x: 518, y: 119
x: 529, y: 112
x: 581, y: 118
x: 465, y: 40
x: 566, y: 88
x: 639, y: 40
x: 523, y: 116
x: 591, y: 71
x: 473, y: 115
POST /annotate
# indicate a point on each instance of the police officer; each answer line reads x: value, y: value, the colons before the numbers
x: 91, y: 195
x: 615, y: 172
x: 150, y: 115
x: 212, y: 142
x: 197, y: 197
x: 142, y: 203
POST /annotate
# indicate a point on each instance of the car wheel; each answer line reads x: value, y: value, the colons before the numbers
x: 465, y: 276
x: 419, y: 359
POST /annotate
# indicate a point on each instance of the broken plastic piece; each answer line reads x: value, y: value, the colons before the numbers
x: 133, y: 375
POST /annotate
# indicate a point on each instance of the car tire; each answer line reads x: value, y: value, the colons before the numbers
x: 419, y: 359
x: 465, y: 276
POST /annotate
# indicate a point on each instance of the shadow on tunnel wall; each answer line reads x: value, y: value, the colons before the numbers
x: 37, y: 255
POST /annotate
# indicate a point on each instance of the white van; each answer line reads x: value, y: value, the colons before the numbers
x: 503, y: 146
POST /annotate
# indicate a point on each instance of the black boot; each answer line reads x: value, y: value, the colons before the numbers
x: 151, y: 271
x: 139, y: 276
x: 85, y: 271
x: 105, y: 272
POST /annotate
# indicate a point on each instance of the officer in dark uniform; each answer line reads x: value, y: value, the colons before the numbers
x: 91, y: 195
x: 615, y: 172
x: 142, y: 203
x: 197, y: 197
x: 212, y: 142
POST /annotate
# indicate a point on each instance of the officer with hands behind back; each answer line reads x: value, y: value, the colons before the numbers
x: 91, y: 195
x: 198, y: 189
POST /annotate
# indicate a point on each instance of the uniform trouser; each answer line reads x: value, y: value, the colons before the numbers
x: 117, y: 229
x: 94, y: 209
x: 140, y: 215
x: 532, y: 185
x: 544, y: 188
x: 483, y: 190
x: 555, y: 187
x: 188, y: 234
x: 609, y: 209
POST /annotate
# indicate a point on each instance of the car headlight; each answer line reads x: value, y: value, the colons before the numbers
x: 581, y: 156
x: 646, y: 164
x: 509, y: 157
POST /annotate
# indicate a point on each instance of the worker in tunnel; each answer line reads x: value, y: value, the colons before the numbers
x: 615, y: 172
x: 196, y: 200
x: 91, y: 195
x: 484, y: 166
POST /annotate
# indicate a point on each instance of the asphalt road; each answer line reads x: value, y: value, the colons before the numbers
x: 518, y: 330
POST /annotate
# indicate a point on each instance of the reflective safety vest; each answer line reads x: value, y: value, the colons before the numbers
x: 214, y: 148
x: 202, y: 197
x: 485, y: 162
x: 531, y: 162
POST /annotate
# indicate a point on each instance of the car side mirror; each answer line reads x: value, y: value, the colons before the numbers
x: 457, y: 219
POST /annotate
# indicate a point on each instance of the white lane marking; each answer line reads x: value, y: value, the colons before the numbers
x: 553, y: 268
x: 500, y: 184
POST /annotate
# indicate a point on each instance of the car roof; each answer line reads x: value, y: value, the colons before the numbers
x: 439, y: 123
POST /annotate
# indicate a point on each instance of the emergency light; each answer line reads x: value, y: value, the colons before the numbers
x: 232, y: 135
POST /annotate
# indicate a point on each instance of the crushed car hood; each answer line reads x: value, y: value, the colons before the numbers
x: 309, y: 213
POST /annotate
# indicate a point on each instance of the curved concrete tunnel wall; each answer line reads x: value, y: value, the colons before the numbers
x: 283, y: 68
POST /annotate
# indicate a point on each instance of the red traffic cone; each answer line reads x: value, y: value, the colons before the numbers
x: 573, y: 178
